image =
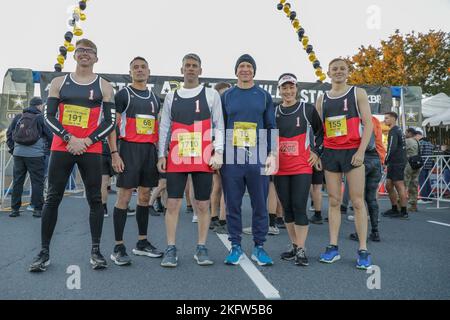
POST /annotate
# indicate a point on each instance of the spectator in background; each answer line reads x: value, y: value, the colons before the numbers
x: 412, y: 175
x: 446, y: 153
x: 426, y: 150
x: 27, y: 137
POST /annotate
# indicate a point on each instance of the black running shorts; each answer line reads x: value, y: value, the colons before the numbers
x: 317, y: 177
x: 396, y: 172
x: 338, y: 160
x: 107, y: 169
x: 140, y: 161
x: 176, y: 183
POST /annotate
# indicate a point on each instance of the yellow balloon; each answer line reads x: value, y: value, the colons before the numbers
x: 71, y: 48
x: 312, y: 57
x: 318, y: 72
x: 323, y: 77
x: 66, y: 44
x: 77, y: 31
x: 296, y: 23
x: 305, y: 41
x: 282, y: 1
x: 60, y: 59
x: 82, y: 17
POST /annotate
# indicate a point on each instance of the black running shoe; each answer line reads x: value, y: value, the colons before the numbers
x: 41, y: 262
x: 316, y: 219
x: 279, y: 223
x: 97, y: 260
x: 189, y: 209
x: 374, y: 236
x: 289, y: 255
x: 300, y: 258
x: 158, y: 205
x: 400, y: 215
x: 15, y: 214
x: 214, y: 224
x: 389, y: 213
x: 37, y: 213
x: 145, y: 248
x: 120, y: 256
x: 354, y: 236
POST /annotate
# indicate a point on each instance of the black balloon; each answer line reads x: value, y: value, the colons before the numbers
x: 68, y: 36
x: 82, y: 5
x: 280, y: 6
x: 293, y: 15
x: 58, y: 67
x: 301, y: 33
x: 309, y: 49
x: 63, y: 50
x: 316, y: 64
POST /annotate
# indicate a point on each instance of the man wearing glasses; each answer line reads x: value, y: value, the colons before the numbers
x: 80, y: 112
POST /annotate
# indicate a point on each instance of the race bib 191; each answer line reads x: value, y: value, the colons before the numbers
x: 76, y: 116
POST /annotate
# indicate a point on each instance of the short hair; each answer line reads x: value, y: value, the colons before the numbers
x: 222, y: 85
x: 192, y: 56
x: 87, y: 43
x: 336, y: 60
x: 411, y: 131
x: 392, y: 114
x: 138, y: 58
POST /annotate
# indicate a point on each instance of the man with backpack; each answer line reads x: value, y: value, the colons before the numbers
x: 412, y: 169
x: 27, y: 137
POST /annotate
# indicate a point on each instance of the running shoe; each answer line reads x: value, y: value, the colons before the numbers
x: 120, y: 256
x: 15, y: 214
x: 247, y: 230
x: 221, y: 229
x: 375, y: 236
x: 389, y: 213
x: 364, y: 260
x: 153, y: 212
x: 260, y: 256
x: 145, y: 248
x: 97, y: 260
x: 331, y: 255
x: 300, y: 258
x: 316, y: 219
x: 131, y: 212
x: 194, y: 219
x: 189, y: 209
x: 290, y: 254
x: 30, y: 208
x: 201, y: 256
x: 41, y: 262
x: 170, y: 259
x: 279, y: 222
x: 235, y: 255
x: 214, y: 223
x: 37, y: 213
x: 273, y: 231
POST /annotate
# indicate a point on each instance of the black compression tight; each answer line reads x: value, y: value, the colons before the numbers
x: 293, y: 192
x: 60, y: 168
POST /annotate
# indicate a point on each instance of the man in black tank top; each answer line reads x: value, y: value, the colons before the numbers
x: 86, y: 115
x: 344, y: 109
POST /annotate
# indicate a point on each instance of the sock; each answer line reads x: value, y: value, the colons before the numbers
x: 222, y: 222
x: 272, y: 218
x: 279, y: 220
x: 403, y: 209
x: 120, y: 219
x: 394, y: 207
x: 158, y: 200
x: 318, y: 214
x: 105, y: 208
x: 95, y: 247
x: 214, y: 218
x: 142, y: 219
x: 312, y: 203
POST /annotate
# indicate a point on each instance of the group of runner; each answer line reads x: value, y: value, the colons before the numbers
x: 239, y: 136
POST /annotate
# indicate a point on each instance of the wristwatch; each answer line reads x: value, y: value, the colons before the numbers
x: 67, y: 137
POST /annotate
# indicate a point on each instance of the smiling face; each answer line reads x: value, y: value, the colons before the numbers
x: 85, y: 55
x: 288, y: 92
x: 139, y: 71
x: 245, y: 72
x: 338, y: 72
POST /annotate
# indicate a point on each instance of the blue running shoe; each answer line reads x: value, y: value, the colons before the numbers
x: 331, y: 255
x: 234, y: 256
x: 364, y: 261
x: 261, y: 257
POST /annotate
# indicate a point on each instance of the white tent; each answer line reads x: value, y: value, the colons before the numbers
x: 435, y: 105
x: 442, y: 118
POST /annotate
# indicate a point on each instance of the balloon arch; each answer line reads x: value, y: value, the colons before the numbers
x: 78, y: 15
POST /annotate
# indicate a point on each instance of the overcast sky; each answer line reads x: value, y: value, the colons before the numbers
x: 219, y: 31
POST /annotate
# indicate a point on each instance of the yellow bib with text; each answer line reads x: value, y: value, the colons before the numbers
x: 336, y: 126
x: 145, y: 124
x: 244, y: 134
x: 190, y: 144
x: 76, y: 116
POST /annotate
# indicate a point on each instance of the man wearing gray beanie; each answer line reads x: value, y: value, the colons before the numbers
x: 249, y: 117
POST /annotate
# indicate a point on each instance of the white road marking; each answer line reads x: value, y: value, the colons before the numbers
x: 440, y: 223
x: 266, y: 288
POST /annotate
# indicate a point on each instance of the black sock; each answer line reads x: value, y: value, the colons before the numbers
x: 105, y: 208
x: 394, y: 207
x: 95, y: 247
x: 312, y: 203
x: 142, y: 219
x: 318, y: 214
x: 120, y: 219
x: 158, y: 200
x: 222, y: 222
x: 279, y: 220
x: 272, y: 218
x: 214, y: 218
x: 403, y: 209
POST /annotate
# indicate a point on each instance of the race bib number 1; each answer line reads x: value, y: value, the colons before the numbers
x: 190, y: 144
x: 336, y: 126
x: 244, y: 134
x: 145, y: 124
x: 76, y: 116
